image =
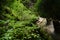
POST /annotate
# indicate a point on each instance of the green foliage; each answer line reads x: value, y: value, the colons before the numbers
x: 6, y: 2
x: 17, y: 22
x: 28, y: 3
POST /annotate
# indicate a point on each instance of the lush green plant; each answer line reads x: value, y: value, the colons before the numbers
x: 17, y: 22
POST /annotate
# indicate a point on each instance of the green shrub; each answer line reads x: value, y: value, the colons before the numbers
x: 19, y: 23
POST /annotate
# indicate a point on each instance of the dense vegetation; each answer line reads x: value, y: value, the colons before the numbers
x: 18, y: 21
